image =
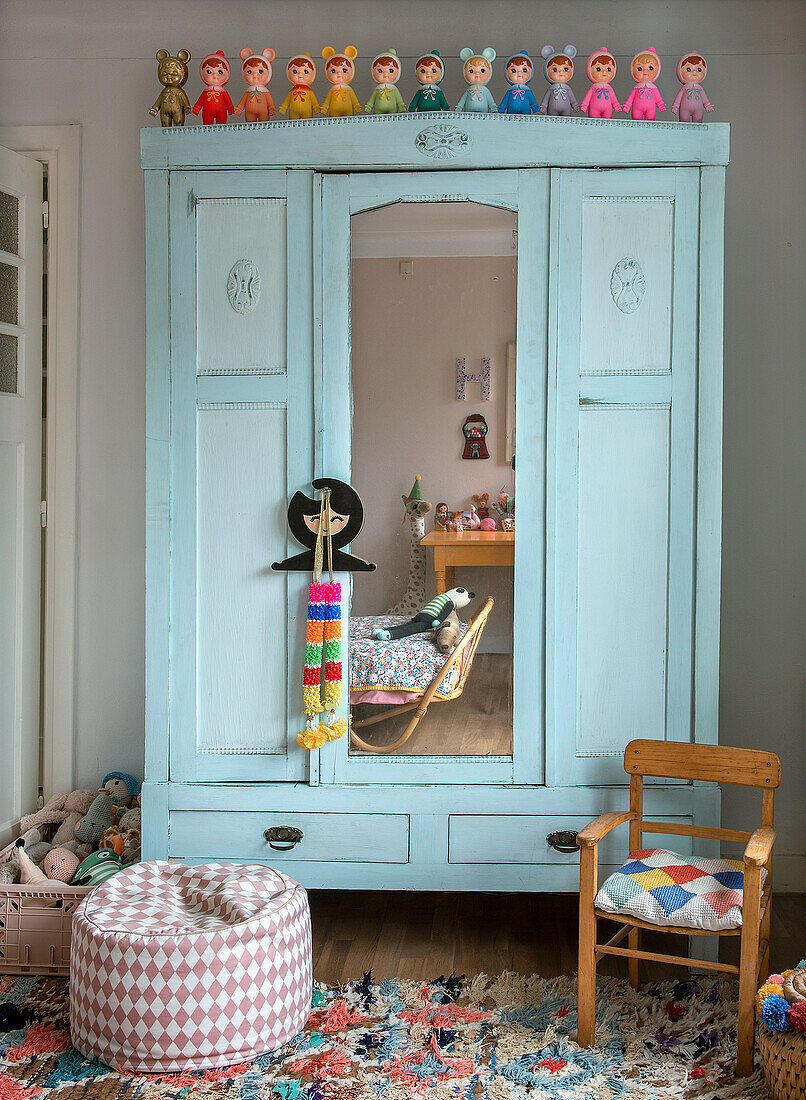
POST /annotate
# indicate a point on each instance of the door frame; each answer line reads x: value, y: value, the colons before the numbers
x: 58, y: 147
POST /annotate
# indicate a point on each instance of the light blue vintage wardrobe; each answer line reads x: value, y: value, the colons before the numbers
x: 617, y: 571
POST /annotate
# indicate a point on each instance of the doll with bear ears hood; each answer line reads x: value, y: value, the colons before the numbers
x: 477, y: 70
x: 520, y: 99
x: 300, y: 101
x: 214, y: 102
x: 600, y: 100
x: 172, y: 103
x: 691, y: 101
x: 386, y: 99
x: 341, y: 100
x: 256, y: 103
x: 644, y: 101
x: 559, y: 68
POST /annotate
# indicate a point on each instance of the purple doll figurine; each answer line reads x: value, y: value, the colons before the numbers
x: 520, y: 99
x: 644, y: 100
x: 559, y: 68
x: 691, y: 100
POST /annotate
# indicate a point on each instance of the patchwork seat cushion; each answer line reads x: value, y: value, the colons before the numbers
x: 175, y: 968
x: 665, y: 888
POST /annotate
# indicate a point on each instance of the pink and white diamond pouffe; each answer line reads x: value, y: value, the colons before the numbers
x: 175, y: 968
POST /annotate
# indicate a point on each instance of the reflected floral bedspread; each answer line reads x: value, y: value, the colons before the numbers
x: 405, y: 665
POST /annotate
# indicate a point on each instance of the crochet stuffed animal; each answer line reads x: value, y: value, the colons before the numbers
x: 60, y: 864
x: 91, y: 827
x: 434, y: 613
x: 96, y: 867
x: 124, y: 838
x: 65, y: 811
x: 448, y: 633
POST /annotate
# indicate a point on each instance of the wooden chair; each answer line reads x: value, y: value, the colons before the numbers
x: 462, y: 655
x: 714, y: 764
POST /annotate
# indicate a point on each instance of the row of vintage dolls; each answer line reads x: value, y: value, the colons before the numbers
x: 256, y: 105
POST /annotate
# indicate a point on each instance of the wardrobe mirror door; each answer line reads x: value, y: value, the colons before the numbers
x: 433, y: 320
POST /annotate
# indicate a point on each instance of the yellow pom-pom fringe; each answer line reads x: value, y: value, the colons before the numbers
x: 312, y: 739
x: 765, y: 992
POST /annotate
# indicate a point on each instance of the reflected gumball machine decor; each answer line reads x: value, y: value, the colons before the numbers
x: 474, y: 430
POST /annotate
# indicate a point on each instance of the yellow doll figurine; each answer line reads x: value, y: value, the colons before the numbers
x: 300, y: 101
x: 339, y: 69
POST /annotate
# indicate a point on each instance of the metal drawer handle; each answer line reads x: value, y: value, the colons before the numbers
x: 565, y: 841
x: 283, y: 837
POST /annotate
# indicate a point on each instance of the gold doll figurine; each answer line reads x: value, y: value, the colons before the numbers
x: 340, y: 70
x: 172, y: 103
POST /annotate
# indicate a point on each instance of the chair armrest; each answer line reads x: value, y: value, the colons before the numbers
x: 759, y: 846
x: 594, y: 832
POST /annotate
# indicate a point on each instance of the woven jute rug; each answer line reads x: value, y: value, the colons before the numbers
x: 501, y: 1038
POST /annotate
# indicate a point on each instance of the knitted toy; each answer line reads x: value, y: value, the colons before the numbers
x: 123, y: 788
x: 644, y: 100
x: 30, y: 875
x: 339, y: 70
x: 60, y: 865
x: 124, y: 838
x: 430, y: 71
x: 90, y: 828
x: 520, y: 99
x: 322, y: 645
x: 477, y: 71
x: 434, y: 613
x: 691, y: 101
x: 600, y: 99
x: 559, y: 68
x: 64, y: 811
x: 96, y: 867
x: 386, y: 99
x: 448, y: 633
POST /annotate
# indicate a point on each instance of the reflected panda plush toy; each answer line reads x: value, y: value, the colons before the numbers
x: 434, y: 613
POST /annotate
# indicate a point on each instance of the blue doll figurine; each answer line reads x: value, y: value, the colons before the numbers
x: 430, y: 70
x: 519, y: 100
x: 477, y: 70
x: 559, y: 68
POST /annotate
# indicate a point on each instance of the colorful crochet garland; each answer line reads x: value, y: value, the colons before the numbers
x: 322, y: 646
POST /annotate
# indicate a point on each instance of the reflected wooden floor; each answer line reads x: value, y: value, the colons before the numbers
x: 478, y: 723
x: 423, y: 935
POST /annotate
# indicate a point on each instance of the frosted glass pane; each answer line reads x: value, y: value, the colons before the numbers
x: 9, y: 223
x: 8, y: 363
x: 9, y: 284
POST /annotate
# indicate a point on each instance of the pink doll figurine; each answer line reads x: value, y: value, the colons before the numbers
x: 214, y: 102
x: 691, y: 99
x: 520, y: 99
x: 477, y: 70
x: 644, y: 100
x: 256, y: 104
x: 300, y: 101
x: 340, y: 69
x: 600, y: 99
x: 386, y: 99
x: 559, y: 68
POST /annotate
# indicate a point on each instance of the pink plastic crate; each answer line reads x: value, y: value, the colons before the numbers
x: 35, y: 937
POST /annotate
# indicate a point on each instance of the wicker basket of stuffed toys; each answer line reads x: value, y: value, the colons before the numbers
x: 781, y: 1006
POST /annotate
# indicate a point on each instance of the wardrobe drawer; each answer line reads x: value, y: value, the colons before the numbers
x: 240, y: 834
x: 493, y: 838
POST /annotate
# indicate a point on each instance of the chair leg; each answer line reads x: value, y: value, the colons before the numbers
x: 748, y: 971
x: 766, y: 928
x: 634, y: 943
x: 586, y: 1000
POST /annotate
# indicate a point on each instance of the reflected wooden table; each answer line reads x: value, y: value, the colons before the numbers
x: 452, y: 548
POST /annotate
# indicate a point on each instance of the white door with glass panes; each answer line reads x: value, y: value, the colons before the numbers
x: 20, y: 480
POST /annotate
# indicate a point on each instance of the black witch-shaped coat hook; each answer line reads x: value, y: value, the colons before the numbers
x: 346, y: 520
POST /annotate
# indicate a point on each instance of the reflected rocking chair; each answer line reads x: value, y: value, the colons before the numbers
x: 461, y: 658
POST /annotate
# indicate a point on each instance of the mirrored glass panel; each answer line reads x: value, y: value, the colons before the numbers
x: 433, y: 313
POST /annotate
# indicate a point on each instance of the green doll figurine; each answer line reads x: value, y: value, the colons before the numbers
x: 430, y: 71
x: 386, y: 99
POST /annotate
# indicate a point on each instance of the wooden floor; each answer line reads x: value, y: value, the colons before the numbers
x: 478, y: 723
x: 423, y: 935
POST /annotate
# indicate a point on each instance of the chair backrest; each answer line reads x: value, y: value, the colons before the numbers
x: 709, y: 763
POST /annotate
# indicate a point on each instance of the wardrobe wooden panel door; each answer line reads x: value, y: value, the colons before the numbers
x: 241, y: 444
x: 622, y: 467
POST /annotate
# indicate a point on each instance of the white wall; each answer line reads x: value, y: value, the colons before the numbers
x: 92, y: 62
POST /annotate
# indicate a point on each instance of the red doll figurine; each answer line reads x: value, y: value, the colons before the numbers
x: 256, y: 103
x: 214, y: 102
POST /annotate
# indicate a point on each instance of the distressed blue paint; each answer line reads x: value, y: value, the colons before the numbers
x: 436, y: 823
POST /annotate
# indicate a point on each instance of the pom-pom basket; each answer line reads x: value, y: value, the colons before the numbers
x: 783, y: 1055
